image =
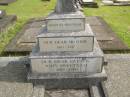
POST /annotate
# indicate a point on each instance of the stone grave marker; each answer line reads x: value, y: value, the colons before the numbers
x: 107, y: 2
x: 2, y: 14
x: 65, y: 56
x: 89, y: 3
x: 6, y: 20
x: 116, y: 2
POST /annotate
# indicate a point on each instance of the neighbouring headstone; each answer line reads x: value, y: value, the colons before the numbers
x: 2, y: 14
x: 107, y: 2
x: 67, y: 53
x: 6, y: 20
x: 64, y: 6
x: 89, y: 3
x: 122, y: 1
x: 116, y: 2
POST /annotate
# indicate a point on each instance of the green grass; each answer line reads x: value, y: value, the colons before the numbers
x: 29, y: 8
x: 24, y: 9
x: 117, y: 17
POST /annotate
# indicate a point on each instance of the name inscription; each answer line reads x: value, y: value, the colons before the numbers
x: 66, y: 65
x: 66, y: 44
x: 66, y: 25
x: 62, y: 65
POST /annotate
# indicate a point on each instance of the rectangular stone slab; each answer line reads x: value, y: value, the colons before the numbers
x: 6, y: 21
x: 62, y: 42
x: 14, y: 89
x: 67, y: 64
x: 65, y: 22
x: 69, y: 93
x: 82, y: 82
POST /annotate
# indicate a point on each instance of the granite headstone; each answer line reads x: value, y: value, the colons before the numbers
x: 66, y: 50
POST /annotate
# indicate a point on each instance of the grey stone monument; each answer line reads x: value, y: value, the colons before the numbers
x: 64, y: 6
x: 67, y: 54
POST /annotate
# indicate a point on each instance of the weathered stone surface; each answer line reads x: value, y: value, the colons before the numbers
x: 13, y: 69
x: 108, y: 2
x: 118, y: 71
x: 27, y: 38
x: 6, y: 2
x: 20, y: 43
x: 69, y: 62
x: 15, y: 89
x: 89, y: 3
x: 62, y: 42
x: 117, y: 84
x: 107, y: 39
x: 116, y: 2
x: 83, y: 82
x: 39, y: 91
x: 65, y: 22
x: 68, y: 93
x: 94, y: 91
x: 6, y: 21
x: 65, y: 6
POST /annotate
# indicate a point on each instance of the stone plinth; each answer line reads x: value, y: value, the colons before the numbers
x: 65, y: 22
x: 82, y: 82
x: 57, y: 65
x: 64, y: 42
x: 66, y: 55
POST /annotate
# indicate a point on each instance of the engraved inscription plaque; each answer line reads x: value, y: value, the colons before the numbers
x: 67, y: 65
x: 66, y: 44
x: 65, y: 25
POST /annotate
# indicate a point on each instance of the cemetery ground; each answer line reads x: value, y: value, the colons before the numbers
x: 116, y: 16
x: 15, y: 75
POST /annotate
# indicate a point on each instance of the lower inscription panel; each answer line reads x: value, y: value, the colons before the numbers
x: 67, y: 65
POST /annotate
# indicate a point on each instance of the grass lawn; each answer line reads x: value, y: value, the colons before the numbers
x: 117, y: 17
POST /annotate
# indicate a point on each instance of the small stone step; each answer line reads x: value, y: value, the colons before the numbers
x: 39, y: 91
x: 68, y: 93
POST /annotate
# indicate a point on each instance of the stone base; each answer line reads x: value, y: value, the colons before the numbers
x: 68, y: 64
x: 68, y: 83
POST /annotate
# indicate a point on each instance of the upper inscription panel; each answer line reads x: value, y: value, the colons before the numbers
x: 65, y: 25
x: 65, y: 22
